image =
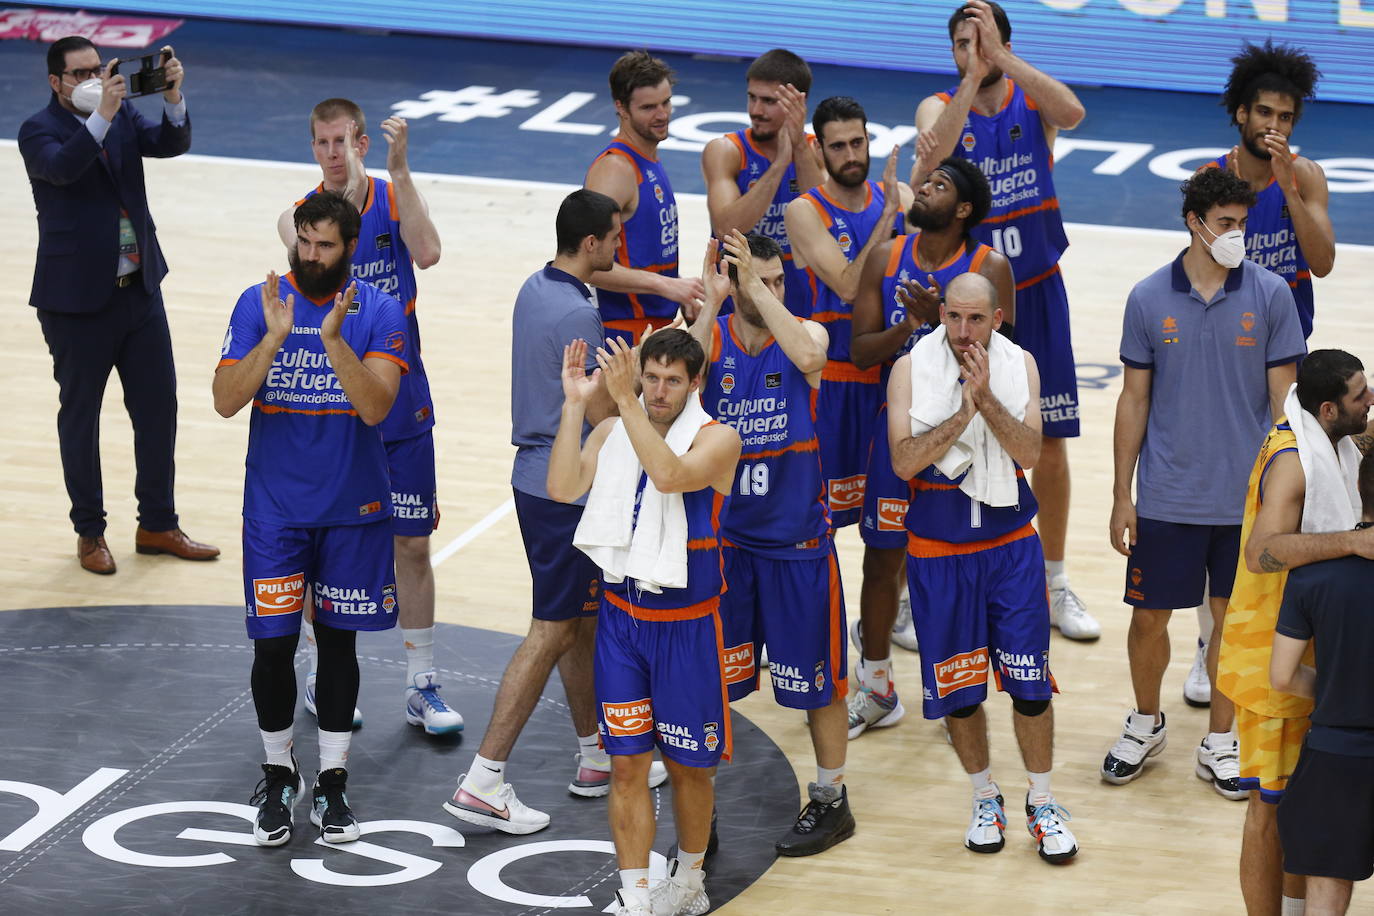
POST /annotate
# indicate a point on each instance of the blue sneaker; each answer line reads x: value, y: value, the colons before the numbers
x: 310, y: 702
x: 989, y: 821
x: 426, y: 708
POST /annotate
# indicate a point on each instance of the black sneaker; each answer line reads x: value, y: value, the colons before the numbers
x: 277, y: 793
x: 819, y: 826
x: 330, y: 811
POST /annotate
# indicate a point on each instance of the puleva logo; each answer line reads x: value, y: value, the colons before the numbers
x: 280, y: 595
x: 625, y: 720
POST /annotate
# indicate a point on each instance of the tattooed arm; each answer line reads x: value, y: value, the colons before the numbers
x: 1275, y: 543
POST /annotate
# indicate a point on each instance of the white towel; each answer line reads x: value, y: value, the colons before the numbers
x: 935, y: 397
x: 653, y: 549
x: 1332, y: 500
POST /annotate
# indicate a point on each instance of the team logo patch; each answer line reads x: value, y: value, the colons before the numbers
x: 727, y: 382
x: 278, y: 596
x: 658, y: 193
x: 712, y: 739
x: 738, y: 662
x: 383, y: 240
x: 1015, y: 132
x: 892, y: 514
x: 369, y: 508
x: 625, y: 720
x: 1135, y: 575
x: 772, y: 380
x: 389, y: 598
x: 967, y: 669
x: 396, y: 342
x: 845, y: 240
x: 820, y: 676
x: 1169, y: 327
x: 1247, y: 322
x: 967, y: 141
x: 847, y: 492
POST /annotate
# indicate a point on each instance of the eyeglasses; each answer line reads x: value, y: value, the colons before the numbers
x: 85, y: 73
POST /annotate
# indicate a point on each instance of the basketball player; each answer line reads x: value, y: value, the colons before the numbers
x: 659, y: 672
x: 764, y: 368
x: 898, y: 303
x: 321, y: 369
x: 974, y: 564
x: 642, y: 288
x: 1278, y: 535
x: 1004, y: 116
x: 834, y: 230
x: 753, y: 174
x: 397, y: 234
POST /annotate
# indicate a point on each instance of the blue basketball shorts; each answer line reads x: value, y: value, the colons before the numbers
x: 1171, y: 561
x: 660, y: 682
x: 347, y: 569
x: 567, y: 583
x: 796, y: 608
x: 845, y: 410
x: 978, y: 613
x: 886, y: 496
x: 414, y: 499
x: 1042, y: 327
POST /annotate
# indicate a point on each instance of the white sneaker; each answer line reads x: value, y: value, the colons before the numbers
x: 1221, y: 767
x: 1070, y: 615
x: 682, y: 892
x: 426, y: 708
x: 310, y: 702
x: 870, y: 710
x: 592, y: 781
x: 989, y: 820
x: 500, y: 810
x: 1197, y: 689
x: 1054, y: 840
x: 630, y: 905
x: 1126, y: 759
x: 903, y: 630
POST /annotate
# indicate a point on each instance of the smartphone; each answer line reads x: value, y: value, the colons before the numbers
x: 151, y: 75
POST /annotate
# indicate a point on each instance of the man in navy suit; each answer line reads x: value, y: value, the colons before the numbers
x: 96, y: 287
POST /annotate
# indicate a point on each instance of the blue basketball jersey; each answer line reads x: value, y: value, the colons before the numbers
x: 705, y: 564
x: 1271, y: 243
x: 752, y: 165
x: 778, y: 506
x: 1010, y: 148
x: 851, y: 230
x: 648, y: 241
x: 311, y: 461
x: 903, y: 266
x: 383, y: 260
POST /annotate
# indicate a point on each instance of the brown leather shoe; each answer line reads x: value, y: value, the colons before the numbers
x: 174, y: 542
x: 95, y: 556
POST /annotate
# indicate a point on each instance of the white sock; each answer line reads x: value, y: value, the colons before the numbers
x: 308, y: 631
x: 1204, y: 622
x: 1143, y: 722
x: 1294, y: 906
x: 693, y: 861
x: 1054, y: 571
x: 593, y: 754
x: 1220, y: 739
x: 485, y: 776
x: 982, y: 782
x: 334, y: 749
x: 634, y: 881
x: 419, y: 645
x: 1039, y: 787
x: 875, y: 674
x: 830, y: 779
x: 278, y: 747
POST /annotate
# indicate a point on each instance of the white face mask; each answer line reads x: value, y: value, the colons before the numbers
x: 86, y: 96
x: 1228, y: 249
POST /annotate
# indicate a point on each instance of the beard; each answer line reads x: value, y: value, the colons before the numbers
x: 316, y: 279
x: 748, y: 314
x: 991, y: 79
x: 928, y: 220
x: 1350, y: 424
x: 1258, y: 150
x: 852, y: 175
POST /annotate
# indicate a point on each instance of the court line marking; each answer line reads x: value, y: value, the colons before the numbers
x: 446, y: 178
x: 467, y: 537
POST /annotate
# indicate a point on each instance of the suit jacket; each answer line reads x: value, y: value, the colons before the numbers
x: 79, y: 188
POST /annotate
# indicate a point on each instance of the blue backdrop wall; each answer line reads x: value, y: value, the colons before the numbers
x: 1162, y: 44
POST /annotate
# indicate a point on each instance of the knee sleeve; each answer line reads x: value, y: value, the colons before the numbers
x: 274, y: 681
x: 336, y: 677
x: 1030, y: 708
x: 965, y: 711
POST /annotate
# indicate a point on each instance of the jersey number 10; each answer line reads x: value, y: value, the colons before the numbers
x: 1007, y: 241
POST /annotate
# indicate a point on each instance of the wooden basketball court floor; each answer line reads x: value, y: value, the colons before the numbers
x: 1164, y: 844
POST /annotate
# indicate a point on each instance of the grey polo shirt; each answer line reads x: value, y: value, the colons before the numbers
x: 1209, y: 395
x: 552, y: 308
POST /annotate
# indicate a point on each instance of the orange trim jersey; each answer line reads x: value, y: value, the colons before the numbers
x: 648, y: 240
x: 312, y: 462
x: 1247, y: 636
x: 752, y: 164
